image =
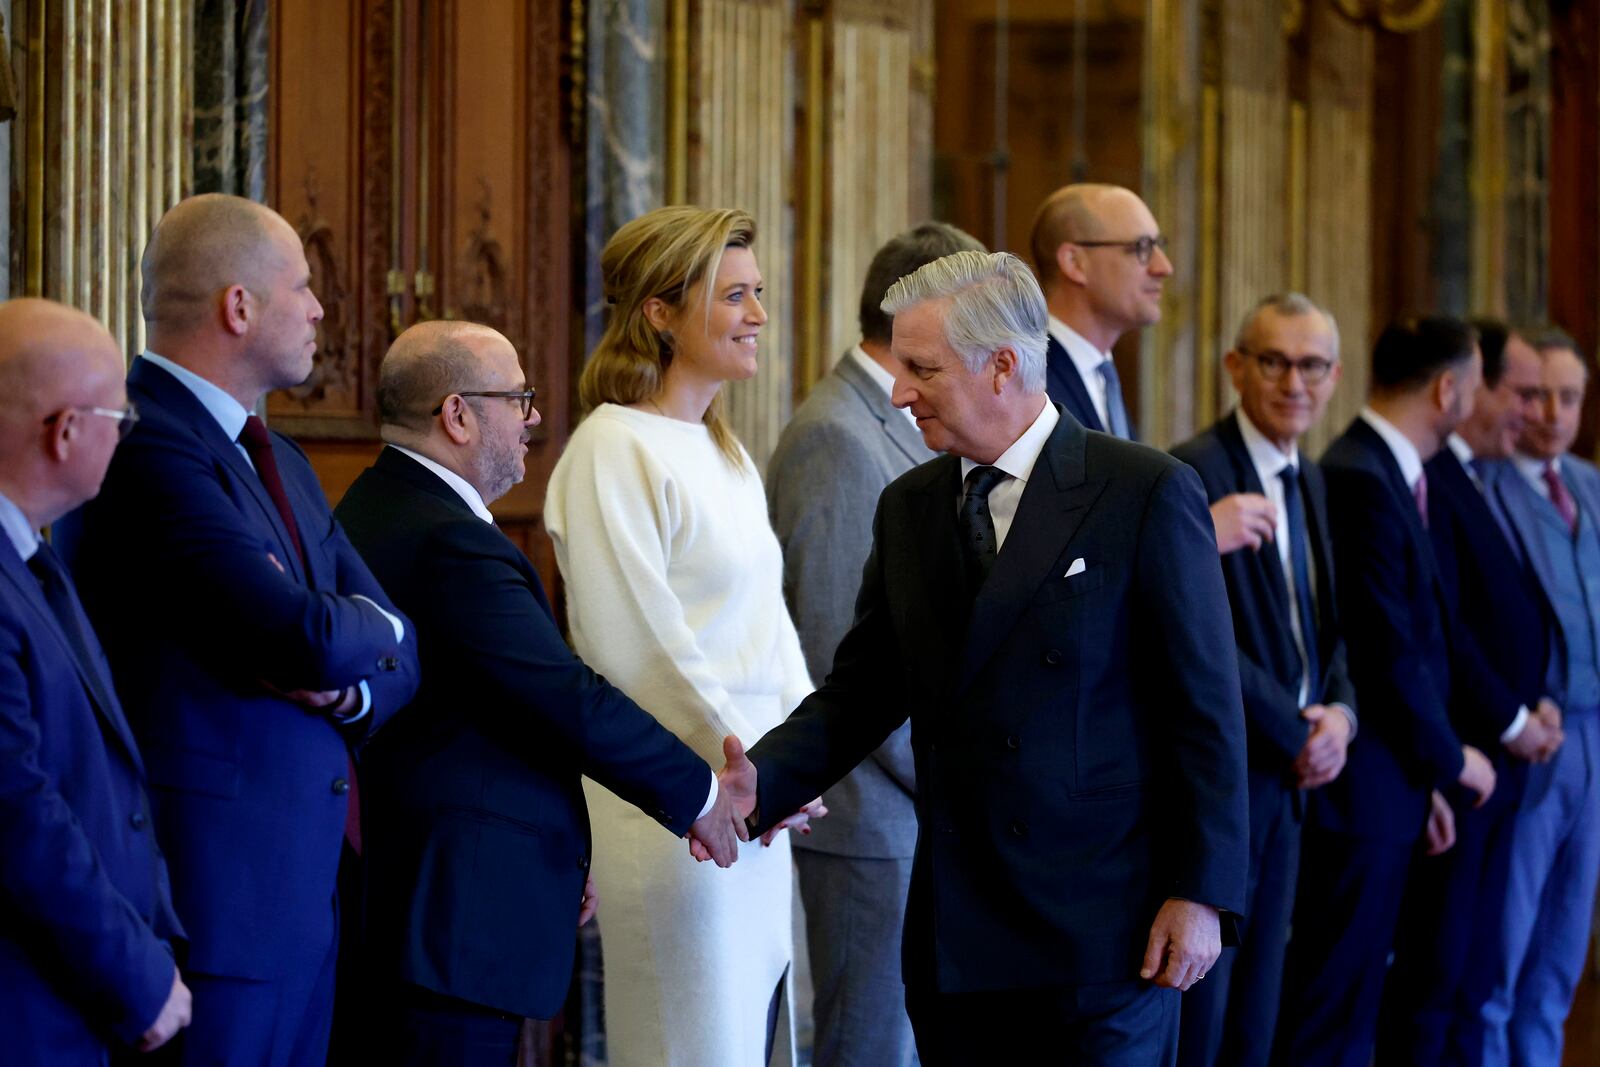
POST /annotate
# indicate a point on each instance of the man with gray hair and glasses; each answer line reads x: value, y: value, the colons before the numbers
x: 1270, y: 509
x: 1047, y: 606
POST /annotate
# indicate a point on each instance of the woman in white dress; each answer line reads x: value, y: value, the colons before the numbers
x: 674, y: 593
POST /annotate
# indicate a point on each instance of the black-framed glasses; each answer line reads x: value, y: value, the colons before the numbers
x: 1274, y: 365
x: 524, y: 395
x: 126, y: 417
x: 1141, y: 248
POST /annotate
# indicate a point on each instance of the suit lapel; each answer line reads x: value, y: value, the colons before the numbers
x: 1054, y: 503
x: 1265, y: 559
x: 940, y: 574
x: 95, y: 681
x: 901, y: 433
x: 1067, y: 388
x: 1421, y: 543
x: 1314, y: 494
x: 165, y: 391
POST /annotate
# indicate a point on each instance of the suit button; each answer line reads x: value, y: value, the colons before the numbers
x: 1053, y: 657
x: 388, y: 663
x: 1019, y: 828
x: 137, y: 820
x: 340, y: 786
x: 1013, y: 742
x: 583, y: 863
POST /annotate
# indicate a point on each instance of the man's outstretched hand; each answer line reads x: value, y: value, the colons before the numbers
x: 717, y: 834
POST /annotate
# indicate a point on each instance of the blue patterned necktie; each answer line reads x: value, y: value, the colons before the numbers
x: 1300, y: 564
x: 1116, y: 413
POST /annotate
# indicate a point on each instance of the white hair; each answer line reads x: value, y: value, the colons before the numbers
x: 1289, y: 305
x: 994, y: 303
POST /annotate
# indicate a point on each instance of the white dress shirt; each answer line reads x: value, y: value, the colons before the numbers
x: 230, y: 416
x: 1017, y: 461
x: 875, y: 371
x: 463, y: 488
x: 1405, y: 453
x: 1532, y: 470
x: 18, y: 530
x: 1087, y: 359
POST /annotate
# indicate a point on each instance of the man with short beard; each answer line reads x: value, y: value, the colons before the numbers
x: 478, y: 842
x: 1552, y: 499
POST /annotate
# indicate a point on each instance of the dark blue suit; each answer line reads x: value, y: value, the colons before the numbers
x: 1363, y: 826
x: 1069, y: 778
x: 1454, y: 902
x: 86, y: 921
x: 176, y: 557
x: 1065, y: 386
x: 1231, y: 1016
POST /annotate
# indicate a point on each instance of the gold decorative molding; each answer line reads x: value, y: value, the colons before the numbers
x: 1395, y: 16
x: 1487, y: 181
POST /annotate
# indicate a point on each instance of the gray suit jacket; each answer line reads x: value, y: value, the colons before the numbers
x: 843, y: 446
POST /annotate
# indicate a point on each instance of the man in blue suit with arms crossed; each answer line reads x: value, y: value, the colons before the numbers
x: 86, y: 927
x: 253, y: 647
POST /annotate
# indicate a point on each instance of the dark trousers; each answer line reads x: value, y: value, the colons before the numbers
x: 1229, y: 1018
x: 1436, y: 988
x: 1113, y: 1024
x: 1345, y: 912
x: 421, y: 1028
x: 239, y: 1022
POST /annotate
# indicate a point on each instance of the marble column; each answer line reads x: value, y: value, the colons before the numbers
x: 230, y: 97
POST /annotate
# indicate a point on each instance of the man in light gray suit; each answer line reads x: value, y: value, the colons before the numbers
x: 844, y: 445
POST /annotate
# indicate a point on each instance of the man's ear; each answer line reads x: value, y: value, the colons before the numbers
x: 1003, y: 366
x: 60, y: 433
x: 1445, y: 388
x: 1069, y: 261
x: 238, y: 310
x: 453, y: 417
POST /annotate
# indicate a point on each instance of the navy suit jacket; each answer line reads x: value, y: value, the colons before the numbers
x: 1502, y: 620
x: 1269, y: 663
x: 478, y: 836
x: 175, y: 560
x: 86, y: 921
x: 1393, y: 607
x: 1066, y: 388
x: 1079, y: 741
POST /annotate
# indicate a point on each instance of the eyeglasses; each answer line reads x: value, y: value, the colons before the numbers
x: 524, y: 395
x: 126, y: 417
x: 1142, y: 248
x: 1274, y: 365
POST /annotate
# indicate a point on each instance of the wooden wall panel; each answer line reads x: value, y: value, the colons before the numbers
x: 738, y: 151
x: 104, y: 148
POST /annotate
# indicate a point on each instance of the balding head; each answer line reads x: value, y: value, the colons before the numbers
x: 421, y: 406
x: 1074, y: 213
x: 57, y: 364
x: 199, y: 248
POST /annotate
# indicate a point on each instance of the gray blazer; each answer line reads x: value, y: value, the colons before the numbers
x: 843, y: 446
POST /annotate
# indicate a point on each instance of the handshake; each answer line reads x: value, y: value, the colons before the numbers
x: 717, y: 834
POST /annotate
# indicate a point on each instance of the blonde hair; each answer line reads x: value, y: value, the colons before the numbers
x: 663, y: 254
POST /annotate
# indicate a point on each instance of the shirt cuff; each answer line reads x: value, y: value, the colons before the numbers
x: 1351, y: 716
x: 366, y: 705
x: 711, y: 799
x: 1518, y: 724
x: 394, y: 620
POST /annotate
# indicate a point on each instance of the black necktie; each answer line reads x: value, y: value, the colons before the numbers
x: 979, y: 545
x: 46, y: 566
x: 1300, y: 563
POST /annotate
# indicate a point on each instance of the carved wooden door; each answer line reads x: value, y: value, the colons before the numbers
x: 423, y: 149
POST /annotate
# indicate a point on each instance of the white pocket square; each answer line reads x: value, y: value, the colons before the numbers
x: 1078, y: 567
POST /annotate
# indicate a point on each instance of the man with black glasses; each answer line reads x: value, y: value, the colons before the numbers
x: 1101, y: 261
x: 1270, y: 509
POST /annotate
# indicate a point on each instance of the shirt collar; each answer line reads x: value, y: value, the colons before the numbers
x: 1532, y: 467
x: 1405, y: 453
x: 18, y: 529
x: 1084, y: 355
x: 464, y: 489
x: 1268, y: 458
x: 1463, y: 451
x: 1018, y: 460
x: 873, y: 368
x: 229, y: 413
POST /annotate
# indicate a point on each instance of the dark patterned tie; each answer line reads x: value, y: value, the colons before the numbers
x: 1300, y: 564
x: 979, y: 546
x: 257, y: 442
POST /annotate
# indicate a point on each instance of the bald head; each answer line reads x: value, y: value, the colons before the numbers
x: 425, y: 364
x: 1075, y: 213
x: 56, y: 366
x: 202, y: 246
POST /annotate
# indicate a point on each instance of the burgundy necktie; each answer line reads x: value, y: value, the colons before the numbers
x: 1419, y: 492
x: 1561, y: 496
x: 257, y: 442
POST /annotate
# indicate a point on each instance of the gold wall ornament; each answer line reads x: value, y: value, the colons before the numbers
x: 1395, y: 16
